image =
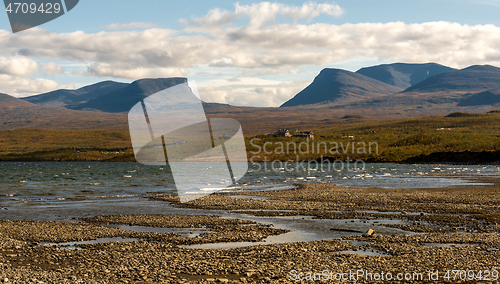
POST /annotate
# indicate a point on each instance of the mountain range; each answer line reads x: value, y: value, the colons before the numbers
x: 430, y: 81
x: 384, y: 91
x: 107, y: 96
x: 341, y: 86
x: 403, y: 75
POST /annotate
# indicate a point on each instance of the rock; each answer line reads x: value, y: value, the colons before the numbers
x: 369, y: 233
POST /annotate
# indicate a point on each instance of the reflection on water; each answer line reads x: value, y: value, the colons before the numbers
x: 76, y: 245
x: 250, y: 197
x: 183, y: 232
x: 306, y: 228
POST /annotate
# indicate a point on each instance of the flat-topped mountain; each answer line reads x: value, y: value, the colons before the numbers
x: 122, y: 100
x: 403, y: 75
x: 340, y: 86
x: 71, y: 98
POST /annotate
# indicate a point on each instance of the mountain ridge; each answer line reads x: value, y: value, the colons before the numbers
x: 404, y: 75
x: 474, y: 78
x: 340, y: 86
x: 69, y: 98
x: 122, y: 100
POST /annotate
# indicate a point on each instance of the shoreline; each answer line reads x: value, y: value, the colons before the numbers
x: 368, y: 162
x: 454, y: 228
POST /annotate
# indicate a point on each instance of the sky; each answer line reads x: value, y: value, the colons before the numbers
x: 247, y: 53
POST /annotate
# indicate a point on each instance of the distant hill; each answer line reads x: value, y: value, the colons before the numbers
x: 71, y: 98
x: 340, y: 86
x: 403, y: 75
x: 477, y: 78
x: 123, y: 99
x: 490, y: 97
x: 16, y: 113
x: 335, y: 96
x: 7, y: 102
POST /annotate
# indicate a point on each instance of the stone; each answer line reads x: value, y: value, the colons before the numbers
x: 369, y: 233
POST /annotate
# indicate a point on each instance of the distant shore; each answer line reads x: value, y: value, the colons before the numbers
x: 125, y: 155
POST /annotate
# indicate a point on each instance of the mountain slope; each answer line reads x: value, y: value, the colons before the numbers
x: 16, y: 113
x: 403, y: 75
x: 9, y: 102
x: 125, y: 98
x: 340, y: 86
x: 477, y: 78
x: 71, y: 98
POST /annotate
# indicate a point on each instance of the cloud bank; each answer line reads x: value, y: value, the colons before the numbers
x: 251, y: 40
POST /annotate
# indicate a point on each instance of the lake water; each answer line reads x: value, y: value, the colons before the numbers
x: 68, y: 191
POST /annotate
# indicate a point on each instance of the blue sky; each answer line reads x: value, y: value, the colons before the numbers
x: 92, y: 15
x: 243, y: 53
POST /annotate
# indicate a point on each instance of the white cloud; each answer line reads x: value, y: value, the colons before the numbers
x: 250, y: 41
x: 23, y: 86
x: 248, y: 91
x: 18, y: 66
x: 124, y: 54
x: 265, y: 12
x: 129, y: 26
x: 107, y: 70
x: 52, y: 68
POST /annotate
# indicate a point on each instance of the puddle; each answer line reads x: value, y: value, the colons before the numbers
x: 294, y: 236
x: 305, y: 229
x: 183, y: 232
x: 438, y: 245
x: 250, y: 197
x: 367, y: 252
x: 76, y: 245
x: 391, y: 212
x: 260, y: 210
x: 267, y: 187
x: 257, y: 188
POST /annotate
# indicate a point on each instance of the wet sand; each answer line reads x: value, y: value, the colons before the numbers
x: 446, y: 229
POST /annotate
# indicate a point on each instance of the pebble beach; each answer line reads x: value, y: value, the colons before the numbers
x: 439, y: 230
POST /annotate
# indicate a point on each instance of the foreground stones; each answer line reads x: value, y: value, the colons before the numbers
x: 157, y: 258
x: 369, y: 233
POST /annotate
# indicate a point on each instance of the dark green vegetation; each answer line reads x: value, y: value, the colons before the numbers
x: 416, y: 140
x: 458, y: 137
x: 65, y: 145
